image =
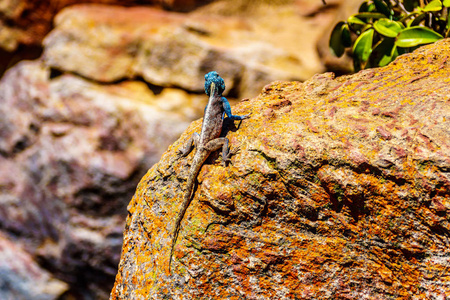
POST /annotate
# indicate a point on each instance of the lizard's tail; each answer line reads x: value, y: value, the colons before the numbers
x: 186, y: 200
x: 199, y: 158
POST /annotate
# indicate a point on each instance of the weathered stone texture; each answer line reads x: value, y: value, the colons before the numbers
x: 340, y: 190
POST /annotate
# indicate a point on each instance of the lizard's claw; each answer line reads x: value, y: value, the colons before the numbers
x: 243, y: 117
x: 235, y: 151
x: 226, y: 161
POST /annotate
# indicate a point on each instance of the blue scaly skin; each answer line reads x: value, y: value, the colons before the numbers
x: 207, y: 141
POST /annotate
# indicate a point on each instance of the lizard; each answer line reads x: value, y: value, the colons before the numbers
x: 206, y: 142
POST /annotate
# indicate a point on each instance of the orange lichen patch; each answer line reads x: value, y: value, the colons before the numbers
x: 340, y: 192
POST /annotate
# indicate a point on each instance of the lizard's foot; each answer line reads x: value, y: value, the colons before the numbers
x: 240, y: 118
x: 227, y: 159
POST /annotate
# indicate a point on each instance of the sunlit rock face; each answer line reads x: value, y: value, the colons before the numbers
x: 339, y: 189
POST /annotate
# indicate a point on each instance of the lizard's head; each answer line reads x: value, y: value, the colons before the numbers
x: 218, y: 82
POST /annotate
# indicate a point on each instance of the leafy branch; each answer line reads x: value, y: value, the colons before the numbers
x: 384, y: 29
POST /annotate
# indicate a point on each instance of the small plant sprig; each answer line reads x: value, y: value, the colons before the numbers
x: 384, y: 29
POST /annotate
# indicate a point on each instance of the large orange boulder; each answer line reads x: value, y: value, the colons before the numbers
x: 339, y: 189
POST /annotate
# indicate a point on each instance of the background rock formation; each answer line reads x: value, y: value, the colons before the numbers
x: 172, y: 49
x: 24, y: 23
x: 27, y: 22
x: 71, y: 153
x: 340, y: 190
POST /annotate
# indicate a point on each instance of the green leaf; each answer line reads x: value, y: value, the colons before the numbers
x: 394, y: 53
x: 364, y: 7
x: 336, y: 44
x: 380, y: 50
x: 371, y: 8
x: 389, y: 50
x: 447, y: 27
x: 404, y: 18
x: 369, y: 15
x: 363, y: 45
x: 409, y: 5
x: 356, y: 64
x: 382, y: 8
x: 346, y: 37
x: 387, y: 27
x: 448, y: 23
x: 354, y: 20
x: 417, y: 35
x: 434, y: 5
x: 418, y: 19
x: 446, y: 3
x: 387, y: 59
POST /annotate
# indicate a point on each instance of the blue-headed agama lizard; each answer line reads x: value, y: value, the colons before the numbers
x: 207, y: 141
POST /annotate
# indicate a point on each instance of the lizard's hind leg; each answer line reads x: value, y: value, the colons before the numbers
x: 192, y: 142
x: 216, y: 144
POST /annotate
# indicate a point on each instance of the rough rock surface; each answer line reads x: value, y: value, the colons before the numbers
x: 107, y: 43
x: 340, y: 190
x: 71, y: 154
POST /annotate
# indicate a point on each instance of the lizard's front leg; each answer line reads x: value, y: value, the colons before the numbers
x: 227, y: 111
x: 192, y: 142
